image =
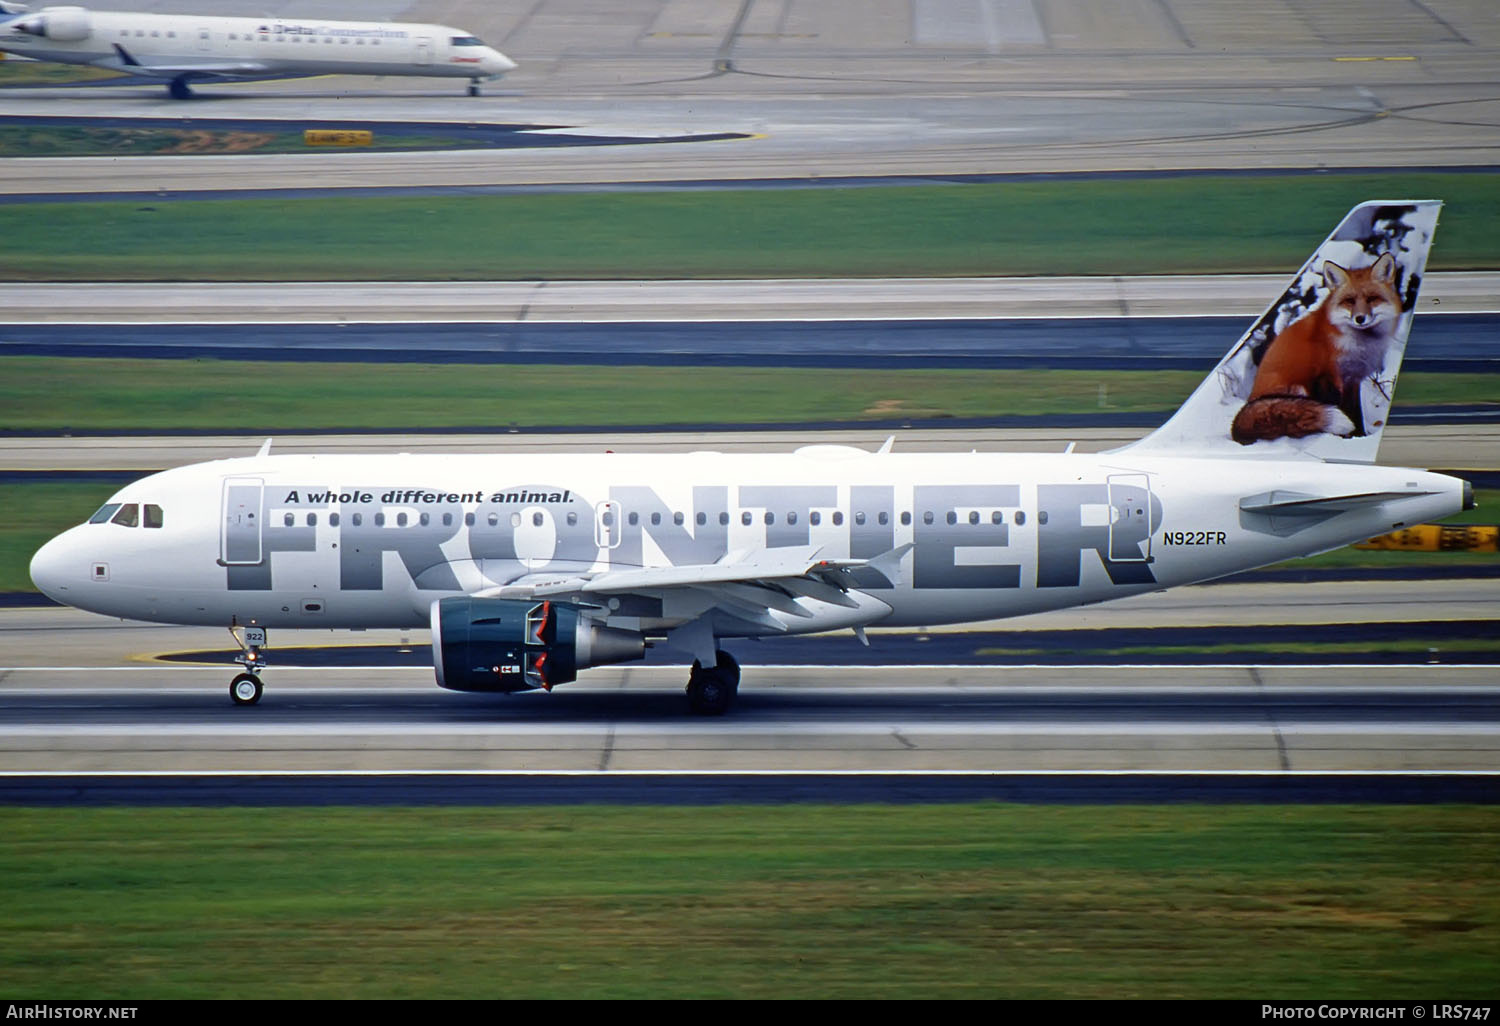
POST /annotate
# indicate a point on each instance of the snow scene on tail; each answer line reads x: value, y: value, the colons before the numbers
x: 1317, y: 371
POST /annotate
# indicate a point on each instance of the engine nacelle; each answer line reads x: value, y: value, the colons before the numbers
x: 481, y: 644
x: 64, y: 24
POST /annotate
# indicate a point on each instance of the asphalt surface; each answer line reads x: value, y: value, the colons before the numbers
x: 1465, y: 343
x: 250, y: 789
x: 838, y: 89
x: 824, y: 90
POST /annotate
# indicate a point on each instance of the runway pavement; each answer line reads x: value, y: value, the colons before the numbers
x: 82, y: 693
x: 850, y: 87
x: 560, y: 302
x: 1440, y: 446
x: 929, y: 719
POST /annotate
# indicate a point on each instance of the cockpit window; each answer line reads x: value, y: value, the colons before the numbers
x: 129, y: 515
x: 466, y: 41
x: 153, y: 516
x: 105, y: 512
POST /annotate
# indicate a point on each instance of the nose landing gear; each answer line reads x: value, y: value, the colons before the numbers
x: 246, y: 688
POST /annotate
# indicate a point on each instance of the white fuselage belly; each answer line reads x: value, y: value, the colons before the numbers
x: 992, y: 535
x: 279, y: 47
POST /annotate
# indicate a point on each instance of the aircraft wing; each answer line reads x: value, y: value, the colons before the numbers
x: 193, y: 69
x: 762, y: 588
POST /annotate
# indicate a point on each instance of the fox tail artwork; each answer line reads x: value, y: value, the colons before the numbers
x: 531, y: 568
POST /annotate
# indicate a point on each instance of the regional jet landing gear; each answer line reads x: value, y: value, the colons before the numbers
x: 711, y: 691
x: 178, y: 87
x: 474, y: 89
x: 246, y: 688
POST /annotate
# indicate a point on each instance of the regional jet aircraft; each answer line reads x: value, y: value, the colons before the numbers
x: 179, y: 49
x: 530, y: 568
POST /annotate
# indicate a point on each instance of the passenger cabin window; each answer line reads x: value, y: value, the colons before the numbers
x: 105, y: 512
x: 129, y: 515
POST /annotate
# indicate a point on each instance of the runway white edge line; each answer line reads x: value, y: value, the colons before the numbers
x: 677, y: 774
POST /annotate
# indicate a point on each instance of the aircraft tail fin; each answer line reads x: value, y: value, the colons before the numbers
x: 1316, y: 372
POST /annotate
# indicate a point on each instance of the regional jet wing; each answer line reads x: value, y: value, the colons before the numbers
x: 196, y: 69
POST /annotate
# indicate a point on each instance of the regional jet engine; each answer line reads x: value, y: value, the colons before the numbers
x: 64, y: 24
x: 483, y: 644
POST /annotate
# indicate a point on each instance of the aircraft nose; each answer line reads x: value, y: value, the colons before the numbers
x: 499, y: 64
x: 55, y: 568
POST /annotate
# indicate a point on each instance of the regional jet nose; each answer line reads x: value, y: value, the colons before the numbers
x: 55, y: 569
x: 498, y: 64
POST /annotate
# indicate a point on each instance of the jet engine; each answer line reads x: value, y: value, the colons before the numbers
x: 64, y: 24
x: 481, y: 644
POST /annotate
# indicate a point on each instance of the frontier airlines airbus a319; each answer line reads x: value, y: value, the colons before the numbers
x: 530, y: 568
x: 179, y: 49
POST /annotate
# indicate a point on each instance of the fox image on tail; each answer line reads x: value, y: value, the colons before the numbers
x: 1310, y: 377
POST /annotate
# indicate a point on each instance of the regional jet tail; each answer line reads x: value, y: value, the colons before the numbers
x: 179, y: 49
x: 531, y: 568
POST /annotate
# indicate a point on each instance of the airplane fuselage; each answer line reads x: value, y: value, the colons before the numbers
x: 373, y: 541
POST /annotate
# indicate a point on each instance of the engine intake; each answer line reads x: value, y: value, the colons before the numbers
x: 64, y: 24
x: 483, y: 644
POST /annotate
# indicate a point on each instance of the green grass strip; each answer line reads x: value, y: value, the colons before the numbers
x: 40, y: 393
x: 14, y: 72
x: 1095, y: 226
x: 983, y: 900
x: 22, y: 140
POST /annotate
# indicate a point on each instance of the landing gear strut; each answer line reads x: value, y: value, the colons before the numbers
x: 474, y: 88
x: 246, y: 688
x: 178, y: 87
x: 711, y: 690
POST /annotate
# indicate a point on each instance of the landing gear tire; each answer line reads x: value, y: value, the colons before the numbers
x: 245, y: 689
x: 179, y: 89
x: 711, y: 692
x: 474, y: 89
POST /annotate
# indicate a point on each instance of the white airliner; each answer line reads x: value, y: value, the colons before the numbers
x: 530, y: 568
x: 183, y: 48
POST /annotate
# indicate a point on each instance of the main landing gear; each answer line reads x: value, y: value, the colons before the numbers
x: 179, y: 89
x: 246, y: 688
x: 711, y: 690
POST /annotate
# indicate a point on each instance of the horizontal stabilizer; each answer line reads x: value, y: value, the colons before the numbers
x: 1294, y: 503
